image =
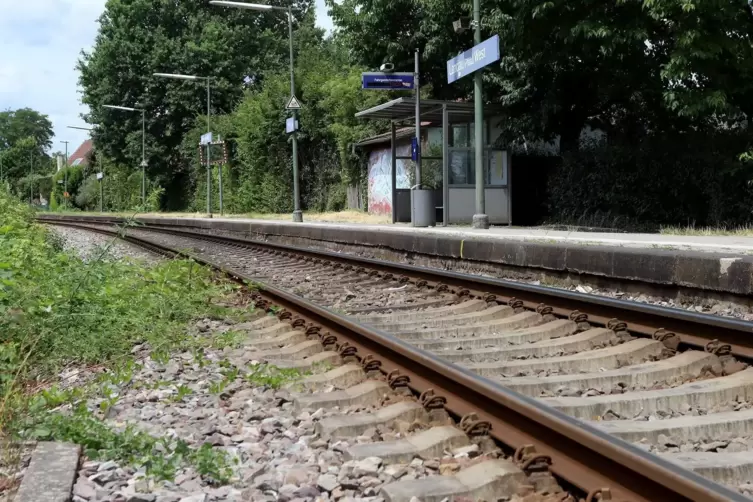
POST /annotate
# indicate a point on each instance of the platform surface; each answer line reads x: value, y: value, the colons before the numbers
x: 710, y: 243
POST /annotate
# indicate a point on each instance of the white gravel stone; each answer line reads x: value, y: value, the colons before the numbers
x: 90, y: 245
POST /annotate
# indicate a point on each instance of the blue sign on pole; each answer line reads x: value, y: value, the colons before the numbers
x: 414, y: 149
x: 388, y: 81
x: 473, y: 59
x: 291, y: 125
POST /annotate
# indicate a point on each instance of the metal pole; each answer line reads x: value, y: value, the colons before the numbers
x: 418, y: 124
x: 445, y: 166
x: 297, y: 213
x: 209, y: 151
x: 101, y: 184
x: 143, y: 158
x: 417, y: 183
x: 31, y: 178
x: 393, y: 170
x: 480, y: 219
x: 219, y: 166
x: 65, y: 176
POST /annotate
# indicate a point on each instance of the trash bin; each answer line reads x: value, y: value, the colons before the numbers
x: 422, y: 207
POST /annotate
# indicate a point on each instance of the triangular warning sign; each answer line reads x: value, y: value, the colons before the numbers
x: 293, y: 104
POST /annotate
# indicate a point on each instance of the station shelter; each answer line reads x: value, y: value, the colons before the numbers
x: 448, y: 161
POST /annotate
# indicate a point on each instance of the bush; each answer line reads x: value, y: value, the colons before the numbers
x: 677, y: 180
x: 88, y: 194
x: 56, y: 309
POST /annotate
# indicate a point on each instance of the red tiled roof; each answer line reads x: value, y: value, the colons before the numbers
x: 82, y: 152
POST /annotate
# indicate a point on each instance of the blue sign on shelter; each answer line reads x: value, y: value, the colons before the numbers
x: 388, y: 81
x: 473, y: 59
x: 415, y: 149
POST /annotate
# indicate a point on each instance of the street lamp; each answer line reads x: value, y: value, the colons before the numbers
x: 297, y: 214
x: 194, y: 78
x: 480, y: 219
x: 31, y: 178
x: 143, y: 145
x: 65, y: 175
x: 100, y: 175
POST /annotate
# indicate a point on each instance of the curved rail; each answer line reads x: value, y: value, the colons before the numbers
x: 580, y: 454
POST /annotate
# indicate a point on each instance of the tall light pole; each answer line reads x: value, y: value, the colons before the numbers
x: 65, y: 176
x: 143, y: 145
x: 297, y: 214
x: 31, y: 178
x: 194, y: 78
x: 99, y: 161
x: 480, y: 219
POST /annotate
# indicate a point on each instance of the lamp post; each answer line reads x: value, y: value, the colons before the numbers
x: 480, y: 219
x: 31, y: 178
x: 178, y: 76
x: 297, y: 214
x: 65, y: 176
x: 143, y: 145
x: 102, y: 179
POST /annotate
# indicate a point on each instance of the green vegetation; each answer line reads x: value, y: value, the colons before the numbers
x: 57, y: 311
x: 667, y: 81
x: 26, y: 168
x: 273, y: 377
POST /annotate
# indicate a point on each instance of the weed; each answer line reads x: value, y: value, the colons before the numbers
x: 58, y: 311
x: 181, y: 392
x: 199, y: 358
x: 160, y: 356
x: 265, y: 375
x: 232, y: 339
x: 217, y: 387
x: 274, y: 310
x: 160, y: 456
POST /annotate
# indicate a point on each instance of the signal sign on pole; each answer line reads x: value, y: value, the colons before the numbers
x: 293, y: 104
x: 215, y: 161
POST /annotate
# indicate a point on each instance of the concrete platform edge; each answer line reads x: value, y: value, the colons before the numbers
x: 713, y: 271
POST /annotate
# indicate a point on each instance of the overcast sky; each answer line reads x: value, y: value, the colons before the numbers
x: 40, y: 42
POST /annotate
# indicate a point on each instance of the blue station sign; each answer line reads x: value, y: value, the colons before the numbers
x: 388, y: 81
x: 485, y: 53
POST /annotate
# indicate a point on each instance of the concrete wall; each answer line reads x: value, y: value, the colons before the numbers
x: 463, y: 205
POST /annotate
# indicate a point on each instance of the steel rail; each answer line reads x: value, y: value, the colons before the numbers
x: 693, y: 329
x: 580, y: 454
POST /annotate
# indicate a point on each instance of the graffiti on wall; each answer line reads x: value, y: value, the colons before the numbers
x: 380, y: 180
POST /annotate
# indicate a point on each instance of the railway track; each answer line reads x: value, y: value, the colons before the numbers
x: 586, y: 370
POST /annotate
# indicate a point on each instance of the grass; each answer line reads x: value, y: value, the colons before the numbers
x: 58, y: 312
x: 743, y: 231
x: 347, y: 216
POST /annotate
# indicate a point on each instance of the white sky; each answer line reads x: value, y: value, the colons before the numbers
x: 40, y: 42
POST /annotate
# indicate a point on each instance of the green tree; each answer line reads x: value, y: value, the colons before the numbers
x: 16, y: 125
x: 631, y: 67
x: 140, y: 37
x: 329, y: 88
x: 710, y: 54
x: 25, y: 134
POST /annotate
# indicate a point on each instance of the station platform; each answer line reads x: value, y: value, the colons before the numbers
x: 725, y: 244
x: 722, y: 264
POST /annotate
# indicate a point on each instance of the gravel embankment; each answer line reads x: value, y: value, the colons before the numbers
x: 90, y: 245
x: 276, y: 453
